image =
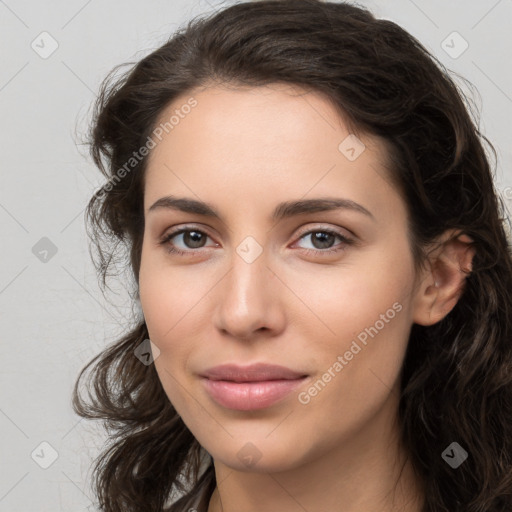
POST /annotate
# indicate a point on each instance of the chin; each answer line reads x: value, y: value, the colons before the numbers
x: 258, y: 455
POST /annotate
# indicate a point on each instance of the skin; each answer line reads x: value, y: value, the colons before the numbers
x: 244, y: 150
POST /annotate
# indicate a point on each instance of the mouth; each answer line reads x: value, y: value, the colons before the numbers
x: 251, y: 387
x: 252, y: 373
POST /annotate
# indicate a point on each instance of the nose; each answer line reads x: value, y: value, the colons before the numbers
x: 248, y: 302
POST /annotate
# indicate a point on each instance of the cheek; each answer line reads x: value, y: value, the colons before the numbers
x: 172, y: 309
x: 341, y: 302
x: 364, y: 302
x: 166, y: 293
x: 366, y: 309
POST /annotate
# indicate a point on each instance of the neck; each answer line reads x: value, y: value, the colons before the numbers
x: 368, y: 471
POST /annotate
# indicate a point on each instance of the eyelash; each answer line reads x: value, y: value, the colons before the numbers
x: 311, y: 252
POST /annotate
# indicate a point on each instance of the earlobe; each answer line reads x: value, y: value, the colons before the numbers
x: 444, y: 282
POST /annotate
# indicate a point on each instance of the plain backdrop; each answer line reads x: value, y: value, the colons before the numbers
x: 53, y: 316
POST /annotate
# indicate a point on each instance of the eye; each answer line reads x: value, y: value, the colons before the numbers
x: 322, y: 240
x: 191, y: 237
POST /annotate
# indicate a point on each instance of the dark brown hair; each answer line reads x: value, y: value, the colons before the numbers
x: 457, y: 374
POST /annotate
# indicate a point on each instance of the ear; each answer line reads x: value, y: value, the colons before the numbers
x: 443, y: 283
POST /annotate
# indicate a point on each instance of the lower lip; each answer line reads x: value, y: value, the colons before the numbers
x: 246, y: 396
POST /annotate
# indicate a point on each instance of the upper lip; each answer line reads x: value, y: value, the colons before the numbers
x: 252, y: 373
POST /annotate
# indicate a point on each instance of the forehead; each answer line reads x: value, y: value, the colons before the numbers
x: 261, y: 140
x: 272, y: 115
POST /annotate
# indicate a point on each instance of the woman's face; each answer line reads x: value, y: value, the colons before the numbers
x: 326, y: 293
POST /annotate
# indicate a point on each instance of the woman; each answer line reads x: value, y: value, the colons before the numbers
x: 323, y: 273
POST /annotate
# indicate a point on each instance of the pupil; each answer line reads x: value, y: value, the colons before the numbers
x: 320, y: 237
x: 192, y: 238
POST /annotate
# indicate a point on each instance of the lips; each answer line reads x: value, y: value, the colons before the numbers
x: 252, y: 373
x: 257, y: 386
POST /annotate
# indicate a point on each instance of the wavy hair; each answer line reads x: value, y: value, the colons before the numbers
x: 456, y: 381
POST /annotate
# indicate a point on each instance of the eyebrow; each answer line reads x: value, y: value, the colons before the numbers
x: 283, y: 210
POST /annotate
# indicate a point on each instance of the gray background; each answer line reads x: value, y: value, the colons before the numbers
x: 53, y: 316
